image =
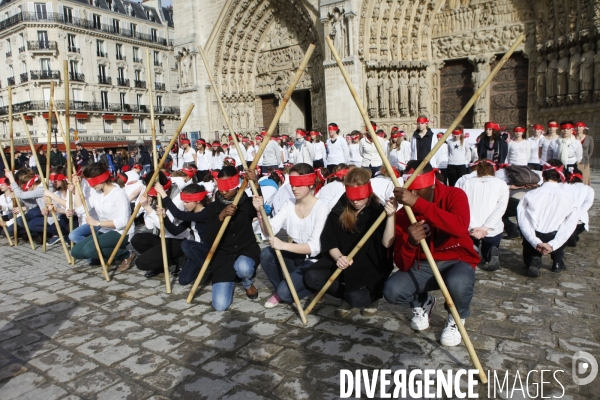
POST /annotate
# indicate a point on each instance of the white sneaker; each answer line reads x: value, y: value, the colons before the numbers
x: 420, y: 320
x: 450, y: 334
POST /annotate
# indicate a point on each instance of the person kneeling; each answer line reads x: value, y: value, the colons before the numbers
x: 442, y: 214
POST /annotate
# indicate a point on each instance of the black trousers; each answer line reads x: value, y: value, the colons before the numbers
x: 444, y: 174
x: 486, y: 245
x: 511, y: 211
x: 535, y: 166
x: 318, y: 163
x: 455, y: 172
x: 529, y: 251
x: 148, y: 245
x: 316, y: 279
x: 572, y: 242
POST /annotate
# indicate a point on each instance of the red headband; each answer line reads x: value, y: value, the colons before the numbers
x: 166, y: 186
x: 303, y: 180
x: 123, y: 177
x: 245, y: 140
x: 57, y: 177
x: 230, y: 160
x: 493, y: 164
x: 3, y: 181
x: 553, y: 125
x: 340, y: 174
x: 538, y: 127
x: 422, y: 120
x: 200, y: 141
x: 579, y: 124
x: 457, y: 132
x: 519, y: 129
x: 190, y: 172
x: 227, y: 184
x: 395, y: 135
x: 300, y: 132
x: 314, y: 133
x: 184, y: 141
x: 275, y: 138
x: 359, y: 192
x: 138, y: 166
x: 333, y: 128
x: 560, y: 171
x: 30, y: 183
x: 98, y: 179
x: 280, y: 175
x: 575, y: 176
x: 492, y: 125
x: 189, y: 197
x: 423, y: 181
x: 381, y: 134
x: 566, y: 126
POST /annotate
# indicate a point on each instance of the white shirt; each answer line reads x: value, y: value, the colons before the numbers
x: 547, y: 209
x: 203, y: 160
x: 519, y: 153
x: 112, y: 207
x: 434, y: 160
x: 488, y: 199
x: 534, y: 145
x: 331, y: 193
x: 441, y: 158
x: 369, y: 154
x: 354, y: 154
x: 250, y: 153
x: 549, y: 149
x: 584, y: 199
x: 306, y: 230
x: 216, y: 161
x: 399, y: 157
x: 458, y: 154
x: 320, y: 151
x: 573, y: 148
x: 272, y: 154
x: 234, y: 154
x: 6, y: 205
x: 338, y: 151
x: 306, y: 154
x: 177, y: 161
x: 281, y: 197
x: 383, y: 187
x: 188, y: 155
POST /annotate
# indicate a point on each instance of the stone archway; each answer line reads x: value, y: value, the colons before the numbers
x: 260, y: 45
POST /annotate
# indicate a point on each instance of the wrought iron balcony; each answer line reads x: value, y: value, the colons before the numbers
x: 137, y: 60
x: 108, y: 130
x: 126, y: 130
x: 11, y: 80
x: 157, y: 63
x: 104, y: 80
x: 90, y: 106
x: 73, y: 49
x: 44, y: 74
x: 76, y: 77
x: 139, y: 84
x: 122, y: 82
x: 159, y: 86
x: 143, y: 130
x: 45, y: 45
x: 24, y: 77
x: 101, y: 54
x: 8, y: 54
x: 21, y: 49
x: 121, y: 57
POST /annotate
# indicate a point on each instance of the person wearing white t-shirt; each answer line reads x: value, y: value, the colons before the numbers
x: 398, y: 149
x: 570, y: 151
x: 354, y: 149
x: 459, y: 155
x: 334, y: 188
x: 203, y: 158
x: 534, y: 145
x: 250, y: 150
x: 187, y: 153
x: 370, y: 156
x: 519, y: 150
x: 584, y: 199
x: 442, y: 159
x: 272, y: 156
x: 549, y: 144
x: 320, y: 159
x: 337, y: 147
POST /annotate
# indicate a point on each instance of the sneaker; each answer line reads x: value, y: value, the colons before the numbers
x: 371, y: 310
x: 272, y: 301
x: 451, y: 334
x: 422, y: 315
x: 534, y: 267
x: 343, y: 310
x: 53, y: 240
x: 494, y: 263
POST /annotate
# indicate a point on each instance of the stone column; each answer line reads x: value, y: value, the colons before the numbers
x: 435, y: 73
x: 481, y: 108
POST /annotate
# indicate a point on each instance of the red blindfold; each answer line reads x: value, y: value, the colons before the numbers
x: 227, y: 184
x: 354, y: 193
x: 303, y: 180
x: 166, y: 186
x: 423, y: 181
x: 189, y: 197
x: 98, y: 179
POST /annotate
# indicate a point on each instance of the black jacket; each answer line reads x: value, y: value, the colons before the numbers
x: 423, y: 144
x: 83, y: 157
x: 500, y: 147
x: 145, y: 158
x: 56, y: 158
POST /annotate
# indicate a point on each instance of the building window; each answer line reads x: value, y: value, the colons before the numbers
x: 122, y: 100
x: 71, y: 43
x: 104, y: 99
x: 154, y: 34
x: 136, y: 55
x: 157, y: 62
x: 139, y: 99
x: 119, y: 51
x: 11, y: 72
x: 8, y: 48
x: 121, y: 74
x: 142, y: 125
x: 45, y: 64
x: 23, y: 67
x: 80, y: 125
x: 159, y: 103
x: 40, y: 11
x: 107, y: 127
x: 100, y: 48
x: 43, y: 39
x: 125, y: 127
x: 116, y: 25
x: 133, y: 29
x: 96, y: 21
x: 68, y: 14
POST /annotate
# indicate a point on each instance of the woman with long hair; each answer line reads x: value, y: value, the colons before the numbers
x: 354, y: 149
x: 188, y: 154
x: 303, y: 219
x: 203, y: 158
x: 217, y: 158
x: 320, y: 151
x: 398, y: 149
x: 534, y: 145
x: 459, y: 156
x: 490, y: 145
x: 361, y: 283
x: 519, y: 150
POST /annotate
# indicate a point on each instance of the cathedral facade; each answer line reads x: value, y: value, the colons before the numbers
x: 405, y: 57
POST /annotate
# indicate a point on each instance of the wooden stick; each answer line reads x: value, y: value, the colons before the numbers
x: 155, y: 158
x: 45, y: 234
x: 83, y: 202
x: 272, y: 127
x: 68, y: 135
x: 265, y: 218
x: 12, y: 160
x: 152, y: 179
x: 47, y: 199
x: 17, y: 204
x: 408, y: 210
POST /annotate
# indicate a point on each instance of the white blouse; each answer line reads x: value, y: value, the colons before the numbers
x: 152, y: 221
x: 331, y: 193
x: 112, y: 207
x: 518, y: 152
x: 458, y: 154
x: 488, y: 199
x: 338, y: 151
x: 534, y: 145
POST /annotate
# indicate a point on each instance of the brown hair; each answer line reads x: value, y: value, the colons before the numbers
x: 484, y: 168
x: 355, y: 177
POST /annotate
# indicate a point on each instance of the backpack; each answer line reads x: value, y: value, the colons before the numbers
x: 521, y: 175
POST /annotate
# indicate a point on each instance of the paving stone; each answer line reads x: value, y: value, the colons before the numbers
x: 182, y: 325
x: 107, y: 351
x: 168, y: 377
x: 326, y: 371
x: 163, y: 344
x: 20, y: 385
x: 226, y: 341
x: 502, y: 331
x: 138, y: 336
x: 519, y: 350
x: 224, y: 366
x: 258, y: 351
x: 201, y: 333
x: 142, y: 364
x: 33, y: 350
x: 20, y: 340
x: 294, y: 388
x: 76, y: 339
x: 192, y: 354
x: 330, y: 347
x: 159, y: 319
x: 293, y: 337
x: 9, y: 371
x: 204, y: 388
x: 258, y: 378
x: 196, y: 310
x: 46, y: 392
x: 93, y: 383
x: 243, y: 395
x: 367, y: 355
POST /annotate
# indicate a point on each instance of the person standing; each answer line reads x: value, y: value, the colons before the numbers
x: 534, y: 145
x: 369, y: 154
x: 422, y: 141
x: 320, y: 151
x: 549, y: 144
x: 302, y: 150
x: 338, y: 152
x: 587, y: 147
x: 56, y: 157
x: 519, y: 149
x: 272, y: 156
x: 459, y: 155
x: 490, y: 144
x: 570, y: 151
x: 145, y: 160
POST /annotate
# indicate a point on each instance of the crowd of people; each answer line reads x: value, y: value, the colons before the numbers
x: 325, y: 193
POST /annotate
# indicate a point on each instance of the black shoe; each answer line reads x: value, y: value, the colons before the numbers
x: 94, y: 263
x: 559, y: 267
x: 534, y: 267
x: 513, y: 234
x: 152, y: 274
x: 494, y: 263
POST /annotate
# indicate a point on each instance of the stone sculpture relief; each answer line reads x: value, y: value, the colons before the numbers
x: 185, y: 60
x: 339, y: 32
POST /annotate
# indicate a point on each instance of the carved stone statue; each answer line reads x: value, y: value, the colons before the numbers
x: 423, y: 92
x: 338, y: 32
x: 372, y: 93
x: 479, y: 77
x: 551, y: 77
x: 561, y: 74
x: 235, y: 117
x: 413, y: 92
x: 403, y: 84
x: 186, y: 77
x: 541, y: 82
x: 383, y: 94
x: 574, y: 70
x: 597, y: 73
x: 393, y: 92
x: 586, y: 70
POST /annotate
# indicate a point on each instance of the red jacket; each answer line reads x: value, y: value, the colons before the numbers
x: 447, y: 217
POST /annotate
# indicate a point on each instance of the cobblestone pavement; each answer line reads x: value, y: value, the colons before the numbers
x: 66, y: 333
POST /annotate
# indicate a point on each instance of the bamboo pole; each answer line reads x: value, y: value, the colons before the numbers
x: 163, y: 244
x: 151, y: 181
x: 68, y: 134
x: 83, y: 202
x: 12, y: 159
x: 17, y: 204
x: 47, y: 200
x: 264, y: 216
x: 45, y: 234
x: 272, y: 127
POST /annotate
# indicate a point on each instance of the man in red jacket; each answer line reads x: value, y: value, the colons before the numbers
x: 442, y: 214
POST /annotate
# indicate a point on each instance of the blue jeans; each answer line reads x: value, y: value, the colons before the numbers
x: 409, y: 289
x: 486, y: 245
x: 80, y: 233
x: 196, y: 253
x: 222, y: 292
x: 31, y: 215
x: 145, y: 169
x: 270, y: 264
